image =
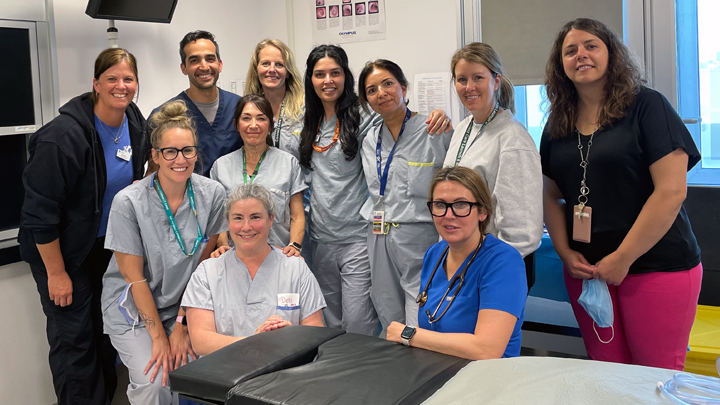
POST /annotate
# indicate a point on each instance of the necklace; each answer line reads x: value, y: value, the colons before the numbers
x: 119, y: 132
x: 584, y: 189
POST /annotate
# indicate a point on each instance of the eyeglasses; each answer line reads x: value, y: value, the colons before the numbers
x: 188, y: 152
x: 459, y: 208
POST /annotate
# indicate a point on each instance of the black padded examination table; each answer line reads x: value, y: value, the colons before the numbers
x: 310, y: 365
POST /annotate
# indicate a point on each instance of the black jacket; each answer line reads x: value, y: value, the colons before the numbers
x: 65, y: 180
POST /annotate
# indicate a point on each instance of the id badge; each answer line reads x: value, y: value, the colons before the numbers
x: 581, y: 223
x: 124, y: 154
x: 378, y: 224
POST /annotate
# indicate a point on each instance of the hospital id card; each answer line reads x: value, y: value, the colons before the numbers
x: 378, y: 223
x: 582, y: 216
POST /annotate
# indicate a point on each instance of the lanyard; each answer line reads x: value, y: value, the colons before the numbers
x: 584, y: 189
x: 171, y: 218
x: 461, y: 151
x: 335, y: 137
x: 383, y: 176
x: 257, y: 167
x: 278, y: 125
x: 422, y: 297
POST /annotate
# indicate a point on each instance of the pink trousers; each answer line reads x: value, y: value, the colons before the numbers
x: 654, y: 313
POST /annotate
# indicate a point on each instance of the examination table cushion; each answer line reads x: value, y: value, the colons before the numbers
x: 212, y: 376
x: 354, y: 369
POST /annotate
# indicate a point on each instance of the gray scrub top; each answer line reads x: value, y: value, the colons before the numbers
x: 279, y: 173
x: 417, y: 157
x: 138, y: 226
x: 290, y: 136
x: 282, y: 286
x: 337, y: 188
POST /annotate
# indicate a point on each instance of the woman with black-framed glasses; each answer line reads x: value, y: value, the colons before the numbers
x: 472, y: 287
x: 160, y: 229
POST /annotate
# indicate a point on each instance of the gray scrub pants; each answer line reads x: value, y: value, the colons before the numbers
x: 135, y: 350
x: 396, y: 262
x: 343, y: 272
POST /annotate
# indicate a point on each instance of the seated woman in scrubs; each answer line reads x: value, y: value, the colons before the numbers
x: 159, y: 228
x: 259, y: 161
x: 473, y: 286
x: 399, y: 159
x: 252, y: 288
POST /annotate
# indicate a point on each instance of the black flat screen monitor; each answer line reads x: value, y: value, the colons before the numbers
x: 17, y: 101
x: 160, y: 11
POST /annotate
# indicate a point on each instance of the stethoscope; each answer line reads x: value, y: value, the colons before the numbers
x: 457, y: 278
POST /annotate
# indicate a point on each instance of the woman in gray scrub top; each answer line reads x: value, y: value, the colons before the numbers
x: 400, y: 159
x: 258, y: 161
x: 160, y: 228
x: 334, y: 128
x: 254, y: 287
x: 274, y: 75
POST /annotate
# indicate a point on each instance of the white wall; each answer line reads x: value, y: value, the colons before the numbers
x: 24, y: 372
x: 238, y: 26
x: 421, y: 37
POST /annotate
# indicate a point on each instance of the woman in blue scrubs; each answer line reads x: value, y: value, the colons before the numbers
x: 473, y: 286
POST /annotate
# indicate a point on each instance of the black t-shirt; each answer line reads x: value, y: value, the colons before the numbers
x: 619, y: 180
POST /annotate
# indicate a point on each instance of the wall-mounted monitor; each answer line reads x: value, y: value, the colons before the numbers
x: 20, y: 101
x: 160, y: 11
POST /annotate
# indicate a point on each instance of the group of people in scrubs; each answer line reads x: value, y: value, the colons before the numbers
x: 410, y: 228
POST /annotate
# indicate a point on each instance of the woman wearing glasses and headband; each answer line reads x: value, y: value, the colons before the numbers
x: 472, y: 286
x: 160, y: 228
x: 399, y: 158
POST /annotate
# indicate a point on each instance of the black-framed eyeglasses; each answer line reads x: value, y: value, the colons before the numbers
x: 459, y: 208
x: 188, y: 152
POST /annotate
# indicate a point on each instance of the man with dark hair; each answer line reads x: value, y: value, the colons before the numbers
x: 210, y: 107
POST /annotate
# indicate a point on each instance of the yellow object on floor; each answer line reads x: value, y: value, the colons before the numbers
x: 704, y: 342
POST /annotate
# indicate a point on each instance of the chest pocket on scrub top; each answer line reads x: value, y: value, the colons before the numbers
x: 282, y: 206
x: 420, y: 176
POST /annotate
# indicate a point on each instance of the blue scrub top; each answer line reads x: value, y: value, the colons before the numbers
x: 495, y: 280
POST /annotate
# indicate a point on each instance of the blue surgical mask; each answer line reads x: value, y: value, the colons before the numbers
x: 127, y: 307
x: 595, y: 299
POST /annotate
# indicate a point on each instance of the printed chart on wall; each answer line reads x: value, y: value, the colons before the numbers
x: 344, y: 21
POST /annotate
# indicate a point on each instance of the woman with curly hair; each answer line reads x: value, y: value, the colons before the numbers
x: 273, y: 75
x: 620, y: 198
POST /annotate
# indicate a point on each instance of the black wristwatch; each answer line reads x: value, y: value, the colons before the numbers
x: 407, y: 334
x: 297, y: 246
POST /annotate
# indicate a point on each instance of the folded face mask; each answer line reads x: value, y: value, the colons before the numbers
x: 595, y: 299
x: 127, y: 307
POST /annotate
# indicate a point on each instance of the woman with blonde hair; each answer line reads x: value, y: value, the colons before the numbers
x: 159, y: 229
x: 496, y: 145
x: 273, y: 75
x: 78, y: 162
x: 472, y: 289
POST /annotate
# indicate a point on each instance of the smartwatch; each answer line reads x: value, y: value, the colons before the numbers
x: 297, y: 246
x: 407, y: 334
x: 181, y: 320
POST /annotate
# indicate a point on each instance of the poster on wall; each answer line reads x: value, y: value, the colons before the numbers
x: 345, y: 21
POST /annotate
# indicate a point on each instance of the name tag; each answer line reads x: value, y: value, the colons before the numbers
x: 124, y: 154
x: 288, y: 301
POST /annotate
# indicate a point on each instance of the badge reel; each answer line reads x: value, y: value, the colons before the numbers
x: 378, y: 223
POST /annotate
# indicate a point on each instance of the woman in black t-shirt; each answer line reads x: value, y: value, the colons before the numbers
x: 614, y: 209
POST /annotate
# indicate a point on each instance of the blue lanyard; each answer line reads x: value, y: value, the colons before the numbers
x: 171, y: 218
x: 383, y: 176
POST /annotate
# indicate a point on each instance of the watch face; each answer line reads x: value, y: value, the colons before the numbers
x: 408, y: 332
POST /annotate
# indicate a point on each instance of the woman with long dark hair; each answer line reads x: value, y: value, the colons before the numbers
x: 334, y: 128
x: 615, y: 209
